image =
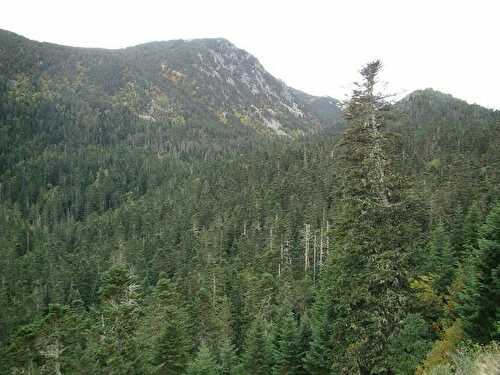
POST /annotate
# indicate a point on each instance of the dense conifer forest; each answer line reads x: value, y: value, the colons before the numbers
x: 187, y: 244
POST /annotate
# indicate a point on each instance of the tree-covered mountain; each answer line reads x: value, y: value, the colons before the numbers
x: 177, y: 81
x: 142, y: 232
x: 439, y: 123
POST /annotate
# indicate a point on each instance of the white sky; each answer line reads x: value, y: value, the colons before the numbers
x: 316, y: 45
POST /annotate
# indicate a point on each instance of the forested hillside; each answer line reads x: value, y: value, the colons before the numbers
x: 143, y: 231
x: 204, y: 80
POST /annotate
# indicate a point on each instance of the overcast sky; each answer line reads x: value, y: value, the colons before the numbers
x: 317, y: 46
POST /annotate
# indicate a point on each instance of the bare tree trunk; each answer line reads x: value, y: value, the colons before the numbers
x: 214, y: 291
x: 306, y: 249
x: 281, y: 259
x: 327, y: 237
x: 321, y: 247
x: 314, y: 260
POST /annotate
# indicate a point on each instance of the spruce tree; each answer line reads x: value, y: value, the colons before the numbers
x: 319, y: 355
x: 365, y: 283
x: 228, y: 361
x: 203, y: 364
x: 480, y: 307
x: 258, y: 351
x: 164, y: 332
x: 472, y: 223
x: 52, y: 344
x: 111, y: 348
x: 287, y: 355
x: 441, y: 261
x: 305, y: 337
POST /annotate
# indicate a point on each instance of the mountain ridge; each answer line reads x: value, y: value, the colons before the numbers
x: 203, y: 80
x: 211, y: 75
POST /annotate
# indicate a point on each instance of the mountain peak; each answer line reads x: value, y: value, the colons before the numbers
x: 433, y: 106
x: 436, y: 97
x: 232, y: 83
x: 430, y: 93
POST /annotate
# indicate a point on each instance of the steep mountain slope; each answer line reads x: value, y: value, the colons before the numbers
x: 173, y: 81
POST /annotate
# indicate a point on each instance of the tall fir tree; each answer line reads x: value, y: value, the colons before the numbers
x: 440, y: 258
x: 472, y: 223
x: 288, y: 359
x: 480, y: 300
x: 304, y: 343
x: 203, y: 364
x: 318, y: 359
x: 50, y: 345
x: 111, y: 341
x: 365, y: 283
x: 164, y: 332
x: 227, y: 359
x: 258, y: 353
